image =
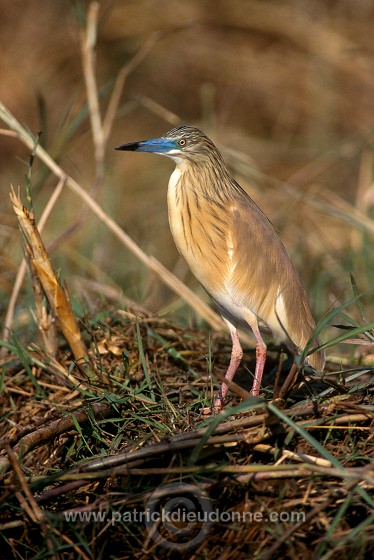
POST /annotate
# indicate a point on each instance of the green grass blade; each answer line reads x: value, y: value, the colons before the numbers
x: 144, y: 362
x: 317, y: 446
x: 252, y: 403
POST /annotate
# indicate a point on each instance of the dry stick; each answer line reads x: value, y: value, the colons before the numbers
x: 100, y: 132
x: 6, y: 132
x: 159, y: 110
x: 295, y: 456
x: 96, y: 127
x: 88, y: 42
x: 31, y: 507
x: 51, y: 365
x: 55, y: 428
x: 60, y: 490
x: 79, y: 552
x: 102, y: 128
x: 62, y: 425
x: 36, y: 514
x: 153, y: 264
x: 74, y: 483
x: 270, y: 553
x: 123, y: 75
x: 100, y: 136
x: 242, y: 472
x: 277, y: 377
x: 252, y: 472
x: 177, y: 442
x: 290, y: 381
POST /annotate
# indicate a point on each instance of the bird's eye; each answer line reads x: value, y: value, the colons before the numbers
x: 182, y: 142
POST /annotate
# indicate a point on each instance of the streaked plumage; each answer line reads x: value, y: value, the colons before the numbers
x: 232, y: 249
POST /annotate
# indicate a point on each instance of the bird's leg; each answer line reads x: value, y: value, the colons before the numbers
x: 260, y: 362
x: 236, y: 358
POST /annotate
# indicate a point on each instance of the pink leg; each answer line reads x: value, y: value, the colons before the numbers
x: 236, y: 358
x: 260, y: 362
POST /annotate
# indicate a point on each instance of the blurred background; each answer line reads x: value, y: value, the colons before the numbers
x: 285, y: 89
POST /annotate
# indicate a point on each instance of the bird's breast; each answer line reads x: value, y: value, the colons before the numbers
x: 202, y: 231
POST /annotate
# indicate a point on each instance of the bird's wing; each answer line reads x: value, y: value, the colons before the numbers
x: 264, y: 278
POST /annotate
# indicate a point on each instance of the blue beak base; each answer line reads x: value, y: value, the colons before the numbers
x: 158, y: 145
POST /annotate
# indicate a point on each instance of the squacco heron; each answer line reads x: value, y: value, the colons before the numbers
x: 233, y: 250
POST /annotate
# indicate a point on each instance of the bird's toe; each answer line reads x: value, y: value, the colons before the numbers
x: 217, y: 406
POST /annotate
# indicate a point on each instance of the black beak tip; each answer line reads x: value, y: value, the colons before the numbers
x: 132, y: 147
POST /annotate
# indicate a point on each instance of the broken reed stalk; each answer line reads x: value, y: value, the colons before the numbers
x: 100, y: 132
x: 57, y: 296
x: 23, y: 267
x: 44, y: 319
x: 201, y: 308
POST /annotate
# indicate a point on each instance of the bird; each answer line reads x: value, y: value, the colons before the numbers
x: 234, y: 251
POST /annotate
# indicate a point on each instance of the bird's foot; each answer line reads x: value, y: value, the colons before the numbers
x: 206, y: 411
x: 212, y: 410
x: 216, y: 408
x: 217, y: 405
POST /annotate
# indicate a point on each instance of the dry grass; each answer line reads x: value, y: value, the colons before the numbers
x: 101, y: 450
x: 100, y: 437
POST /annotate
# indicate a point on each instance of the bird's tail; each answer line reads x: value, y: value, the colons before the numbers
x: 301, y: 327
x: 318, y: 359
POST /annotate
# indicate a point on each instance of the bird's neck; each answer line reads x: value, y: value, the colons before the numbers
x: 174, y: 180
x: 202, y: 178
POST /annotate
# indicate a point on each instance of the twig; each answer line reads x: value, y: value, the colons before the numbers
x: 100, y: 132
x: 153, y: 264
x: 290, y: 381
x: 29, y: 503
x: 122, y: 76
x: 270, y: 552
x: 88, y: 43
x: 55, y: 428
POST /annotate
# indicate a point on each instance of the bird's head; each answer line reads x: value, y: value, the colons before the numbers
x: 181, y: 143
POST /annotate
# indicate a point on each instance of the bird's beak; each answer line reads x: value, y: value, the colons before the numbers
x: 157, y: 145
